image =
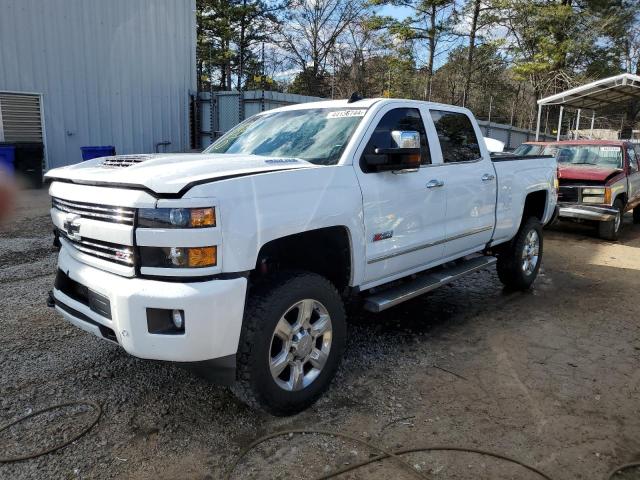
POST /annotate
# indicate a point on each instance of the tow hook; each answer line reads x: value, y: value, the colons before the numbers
x: 50, y: 300
x: 56, y: 239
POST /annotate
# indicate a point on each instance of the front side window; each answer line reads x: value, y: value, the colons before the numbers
x: 457, y: 137
x: 316, y: 135
x: 399, y: 119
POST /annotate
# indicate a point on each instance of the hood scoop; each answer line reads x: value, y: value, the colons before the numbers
x: 121, y: 161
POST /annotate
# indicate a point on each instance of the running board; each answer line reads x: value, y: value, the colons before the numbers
x: 425, y: 282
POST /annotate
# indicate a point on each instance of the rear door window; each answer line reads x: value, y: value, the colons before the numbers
x: 457, y: 136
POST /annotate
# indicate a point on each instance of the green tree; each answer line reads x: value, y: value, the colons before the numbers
x: 431, y: 23
x: 229, y: 34
x: 309, y: 32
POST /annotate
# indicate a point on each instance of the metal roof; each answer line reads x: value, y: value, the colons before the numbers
x: 601, y: 93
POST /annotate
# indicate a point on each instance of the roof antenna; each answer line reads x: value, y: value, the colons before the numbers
x: 355, y: 96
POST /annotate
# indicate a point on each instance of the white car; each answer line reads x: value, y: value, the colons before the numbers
x: 237, y: 261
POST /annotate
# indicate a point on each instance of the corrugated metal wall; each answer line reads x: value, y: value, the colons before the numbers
x: 510, y: 135
x: 116, y: 72
x: 227, y: 109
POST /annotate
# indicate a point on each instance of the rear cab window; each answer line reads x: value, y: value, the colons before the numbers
x: 457, y: 137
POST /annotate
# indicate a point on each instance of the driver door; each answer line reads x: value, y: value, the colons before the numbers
x: 404, y: 217
x: 633, y: 157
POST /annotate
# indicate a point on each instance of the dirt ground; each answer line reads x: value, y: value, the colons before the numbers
x: 550, y: 377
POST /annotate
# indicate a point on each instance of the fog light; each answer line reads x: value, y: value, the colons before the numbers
x: 178, y: 321
x: 163, y: 321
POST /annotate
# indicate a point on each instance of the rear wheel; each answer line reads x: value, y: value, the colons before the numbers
x: 292, y: 340
x: 519, y: 261
x: 611, y: 230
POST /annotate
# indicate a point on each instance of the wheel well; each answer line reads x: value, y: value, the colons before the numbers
x: 535, y: 205
x: 325, y: 251
x: 623, y: 197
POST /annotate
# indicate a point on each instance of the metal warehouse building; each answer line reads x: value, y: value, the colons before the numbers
x: 95, y: 72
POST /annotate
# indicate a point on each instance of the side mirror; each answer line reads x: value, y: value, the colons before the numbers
x: 405, y: 156
x: 493, y: 145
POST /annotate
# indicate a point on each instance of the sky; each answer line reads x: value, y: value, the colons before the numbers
x: 399, y: 13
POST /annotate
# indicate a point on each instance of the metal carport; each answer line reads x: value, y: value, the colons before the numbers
x: 592, y: 96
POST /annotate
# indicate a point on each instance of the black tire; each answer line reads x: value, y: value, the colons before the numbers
x: 267, y: 304
x: 636, y: 215
x: 611, y: 230
x: 511, y: 258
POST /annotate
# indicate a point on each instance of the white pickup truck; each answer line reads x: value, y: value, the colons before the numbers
x: 238, y: 261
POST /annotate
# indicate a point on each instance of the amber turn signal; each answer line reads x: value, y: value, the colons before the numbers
x: 203, y: 217
x: 203, y: 257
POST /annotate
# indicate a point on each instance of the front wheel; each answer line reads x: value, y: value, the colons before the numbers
x: 292, y: 340
x: 519, y: 261
x: 611, y: 230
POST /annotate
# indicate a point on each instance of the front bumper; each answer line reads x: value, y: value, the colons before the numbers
x: 588, y: 212
x: 213, y: 312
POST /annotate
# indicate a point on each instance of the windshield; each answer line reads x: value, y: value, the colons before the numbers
x: 317, y: 135
x: 600, y: 155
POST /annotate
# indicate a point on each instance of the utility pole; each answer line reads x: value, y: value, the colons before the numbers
x: 333, y: 79
x: 559, y: 124
x: 490, y: 107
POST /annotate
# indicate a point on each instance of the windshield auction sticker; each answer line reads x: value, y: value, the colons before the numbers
x: 347, y: 113
x: 609, y: 149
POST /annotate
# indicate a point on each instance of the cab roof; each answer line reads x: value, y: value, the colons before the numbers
x: 364, y: 103
x: 617, y: 143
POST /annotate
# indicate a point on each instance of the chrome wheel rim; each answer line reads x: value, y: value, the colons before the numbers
x: 618, y: 221
x: 300, y: 345
x: 530, y: 253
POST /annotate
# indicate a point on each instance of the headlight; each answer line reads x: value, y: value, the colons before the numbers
x: 597, y: 195
x: 598, y: 200
x: 177, y: 217
x: 179, y: 257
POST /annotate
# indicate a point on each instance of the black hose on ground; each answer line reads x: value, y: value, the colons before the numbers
x: 619, y: 469
x: 96, y: 408
x: 384, y: 454
x: 393, y: 454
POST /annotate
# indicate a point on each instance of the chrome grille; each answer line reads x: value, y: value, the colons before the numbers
x: 104, y: 213
x: 124, y: 160
x: 112, y: 252
x: 568, y: 194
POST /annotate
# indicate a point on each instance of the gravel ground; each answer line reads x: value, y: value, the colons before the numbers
x: 550, y: 377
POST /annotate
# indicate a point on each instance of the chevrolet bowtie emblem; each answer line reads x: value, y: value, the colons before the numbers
x: 71, y: 226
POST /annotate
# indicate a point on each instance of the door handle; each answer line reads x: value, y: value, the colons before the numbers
x: 435, y: 183
x: 487, y: 177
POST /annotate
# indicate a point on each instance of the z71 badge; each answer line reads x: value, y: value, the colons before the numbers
x: 383, y: 235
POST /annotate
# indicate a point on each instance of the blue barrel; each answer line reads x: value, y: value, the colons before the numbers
x: 8, y: 157
x: 96, y: 152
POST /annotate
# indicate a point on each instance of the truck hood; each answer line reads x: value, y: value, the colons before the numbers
x: 586, y: 172
x: 170, y: 173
